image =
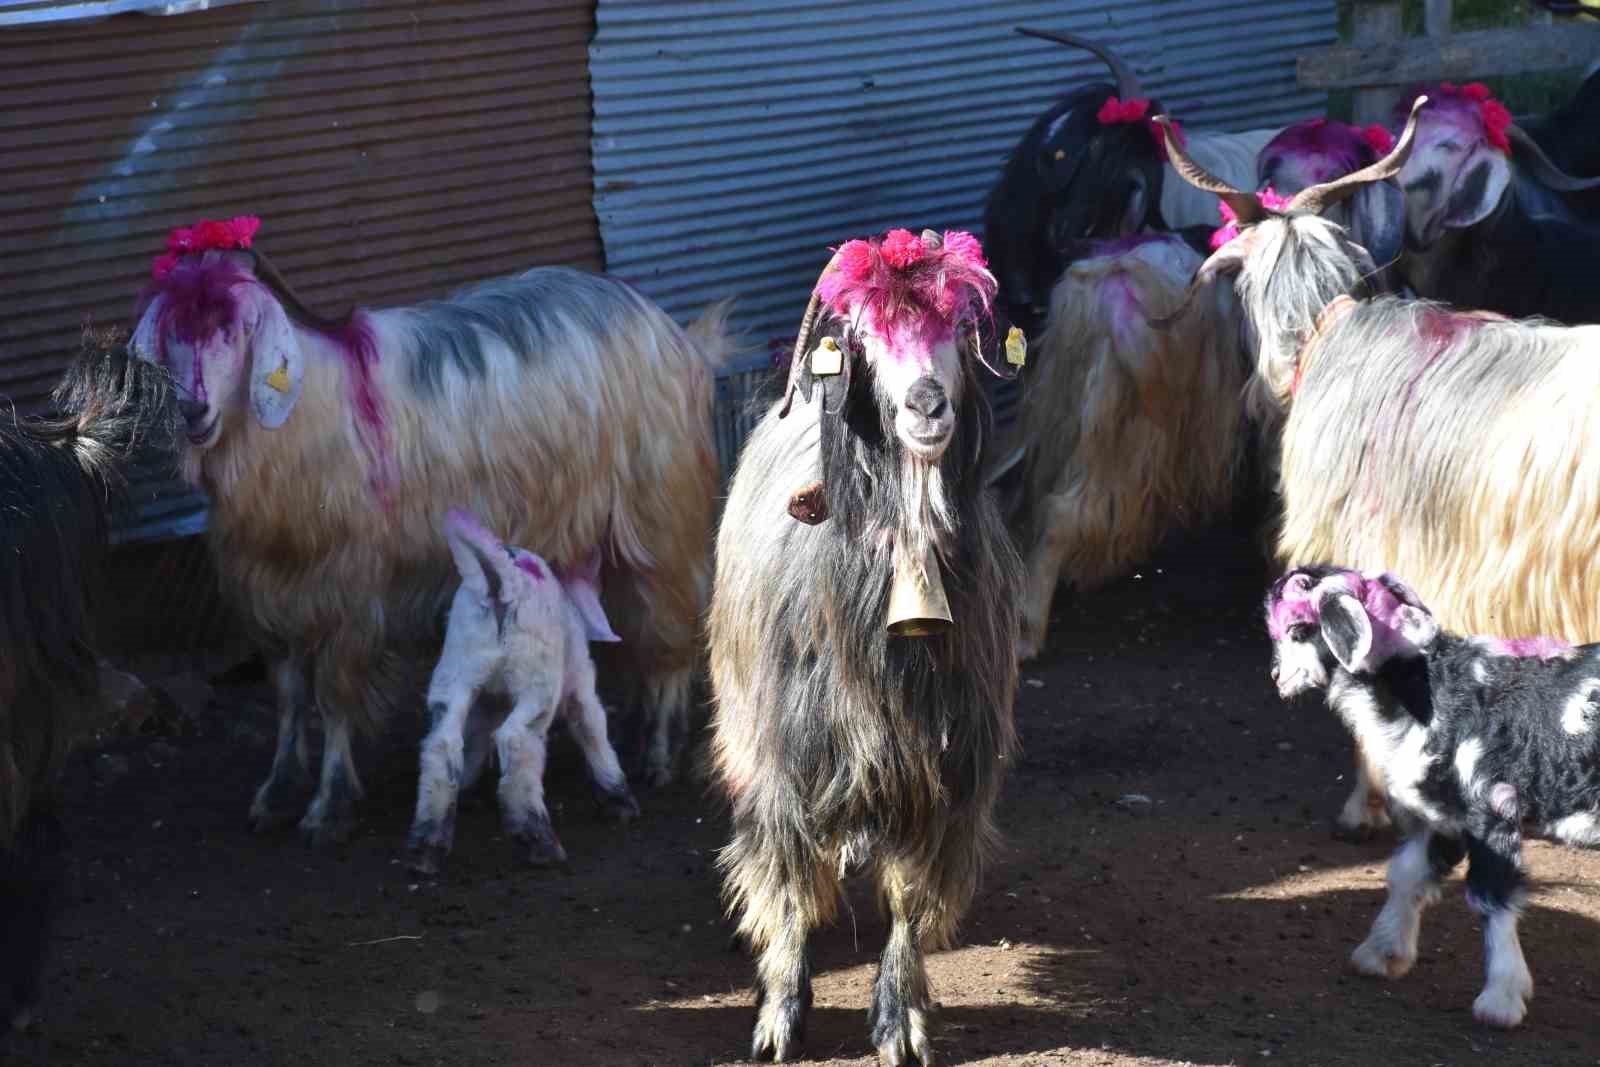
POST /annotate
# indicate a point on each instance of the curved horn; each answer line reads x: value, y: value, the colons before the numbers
x: 292, y: 303
x: 1246, y: 206
x: 1315, y: 199
x: 1543, y: 167
x: 1127, y: 83
x: 796, y: 361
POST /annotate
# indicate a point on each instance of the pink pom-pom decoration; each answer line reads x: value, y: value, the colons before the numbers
x: 1230, y: 222
x: 1495, y: 120
x: 1379, y: 138
x: 902, y: 249
x: 203, y: 236
x: 965, y: 247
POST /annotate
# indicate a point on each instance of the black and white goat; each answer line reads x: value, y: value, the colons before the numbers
x: 57, y: 475
x: 1474, y: 735
x: 1486, y: 230
x: 838, y: 742
x: 518, y: 629
x: 1446, y: 445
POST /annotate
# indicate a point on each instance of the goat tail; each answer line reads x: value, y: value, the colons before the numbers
x: 109, y: 405
x: 711, y: 337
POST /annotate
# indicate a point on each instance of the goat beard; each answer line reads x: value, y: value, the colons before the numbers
x: 927, y: 523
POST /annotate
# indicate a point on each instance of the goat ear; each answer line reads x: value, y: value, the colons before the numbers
x: 1347, y: 631
x: 146, y: 340
x: 277, y: 366
x: 1480, y: 182
x: 1377, y: 220
x: 582, y: 586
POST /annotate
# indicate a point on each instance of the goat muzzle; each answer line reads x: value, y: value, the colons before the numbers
x: 917, y: 604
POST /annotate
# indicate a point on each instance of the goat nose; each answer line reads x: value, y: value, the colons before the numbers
x: 1274, y: 675
x: 926, y: 398
x: 190, y: 408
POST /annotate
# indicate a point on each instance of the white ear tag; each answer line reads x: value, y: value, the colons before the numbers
x: 827, y: 359
x: 279, y: 379
x: 1016, y: 346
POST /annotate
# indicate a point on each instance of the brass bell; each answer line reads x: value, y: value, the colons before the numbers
x: 917, y: 604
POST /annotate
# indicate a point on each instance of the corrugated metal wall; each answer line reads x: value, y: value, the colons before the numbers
x: 393, y: 149
x: 736, y: 139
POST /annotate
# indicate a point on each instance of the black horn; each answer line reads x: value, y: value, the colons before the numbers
x: 1127, y: 83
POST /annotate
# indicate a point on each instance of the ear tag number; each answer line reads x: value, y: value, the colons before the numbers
x: 827, y: 359
x: 1016, y: 346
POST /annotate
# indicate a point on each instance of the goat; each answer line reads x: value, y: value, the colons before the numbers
x: 1569, y: 136
x: 836, y: 742
x: 1483, y: 233
x: 518, y: 627
x: 1474, y: 736
x: 1091, y: 168
x: 1320, y: 150
x: 1433, y: 441
x: 57, y: 476
x: 562, y: 407
x: 1128, y: 432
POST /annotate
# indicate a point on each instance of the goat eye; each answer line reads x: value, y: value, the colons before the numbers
x: 1300, y: 631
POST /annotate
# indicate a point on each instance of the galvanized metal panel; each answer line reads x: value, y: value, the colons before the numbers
x: 735, y: 140
x: 37, y: 12
x: 394, y: 149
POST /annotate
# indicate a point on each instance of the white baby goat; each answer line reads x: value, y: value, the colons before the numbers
x: 520, y: 629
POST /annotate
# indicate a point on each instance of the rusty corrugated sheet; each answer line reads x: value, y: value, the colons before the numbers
x: 394, y: 151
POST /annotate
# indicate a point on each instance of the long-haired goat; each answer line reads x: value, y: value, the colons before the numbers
x: 1436, y: 443
x: 563, y: 408
x: 1484, y: 230
x: 1129, y: 432
x: 837, y: 743
x: 57, y: 474
x: 1475, y: 734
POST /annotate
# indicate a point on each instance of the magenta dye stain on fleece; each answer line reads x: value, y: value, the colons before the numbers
x: 1542, y: 647
x: 530, y: 566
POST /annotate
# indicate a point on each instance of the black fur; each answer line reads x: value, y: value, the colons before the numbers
x: 57, y: 477
x: 1041, y: 205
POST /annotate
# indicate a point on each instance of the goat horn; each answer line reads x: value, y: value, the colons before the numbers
x: 1315, y: 199
x: 1543, y: 167
x: 796, y: 361
x: 1246, y: 206
x: 1127, y: 83
x: 297, y: 308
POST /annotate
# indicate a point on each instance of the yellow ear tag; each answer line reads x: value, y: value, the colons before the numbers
x: 1016, y: 347
x: 279, y: 379
x: 827, y: 359
x: 1061, y: 153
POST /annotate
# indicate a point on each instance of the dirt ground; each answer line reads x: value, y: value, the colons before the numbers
x: 1210, y: 926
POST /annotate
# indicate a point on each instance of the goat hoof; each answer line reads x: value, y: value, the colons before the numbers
x: 617, y: 806
x: 426, y: 860
x: 903, y: 1035
x: 1380, y: 961
x: 1502, y: 1008
x: 544, y: 848
x: 780, y: 1030
x: 325, y: 832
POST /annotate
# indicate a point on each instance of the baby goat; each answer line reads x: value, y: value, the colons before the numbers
x: 1473, y: 734
x: 518, y: 628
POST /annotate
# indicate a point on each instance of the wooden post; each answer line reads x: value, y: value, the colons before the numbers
x: 1374, y: 22
x: 1436, y: 17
